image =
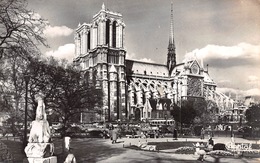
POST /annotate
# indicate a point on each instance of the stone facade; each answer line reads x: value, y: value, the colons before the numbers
x: 134, y: 89
x: 101, y: 54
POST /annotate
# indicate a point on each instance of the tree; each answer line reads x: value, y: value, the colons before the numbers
x: 75, y: 95
x: 12, y: 88
x: 196, y: 110
x: 188, y: 112
x: 205, y: 110
x: 21, y: 30
x: 253, y: 115
x: 184, y: 114
x: 67, y: 92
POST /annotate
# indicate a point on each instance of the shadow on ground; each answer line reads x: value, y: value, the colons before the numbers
x: 89, y: 150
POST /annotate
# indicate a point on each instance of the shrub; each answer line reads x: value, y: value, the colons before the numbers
x: 220, y: 153
x: 185, y: 150
x: 197, y: 130
x: 219, y: 146
x: 5, y: 154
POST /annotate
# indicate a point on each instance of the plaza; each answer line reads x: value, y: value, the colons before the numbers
x: 103, y: 151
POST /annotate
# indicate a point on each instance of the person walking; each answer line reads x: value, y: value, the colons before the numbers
x: 211, y: 142
x: 114, y: 136
x: 175, y: 134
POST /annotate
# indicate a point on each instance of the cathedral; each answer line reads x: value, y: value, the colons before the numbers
x: 134, y: 89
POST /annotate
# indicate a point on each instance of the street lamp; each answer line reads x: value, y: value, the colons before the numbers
x: 26, y: 79
x: 181, y: 104
x: 231, y: 132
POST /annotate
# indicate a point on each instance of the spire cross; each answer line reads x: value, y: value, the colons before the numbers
x: 171, y: 41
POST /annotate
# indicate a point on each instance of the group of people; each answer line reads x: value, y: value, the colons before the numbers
x: 203, y: 132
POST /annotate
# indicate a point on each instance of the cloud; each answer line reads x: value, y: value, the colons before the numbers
x: 253, y: 78
x: 243, y: 93
x: 63, y: 52
x: 227, y: 56
x: 224, y: 81
x: 147, y: 60
x: 57, y: 31
x: 132, y: 56
x: 253, y: 92
x: 229, y: 90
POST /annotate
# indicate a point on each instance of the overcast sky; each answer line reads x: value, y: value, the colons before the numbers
x: 225, y: 33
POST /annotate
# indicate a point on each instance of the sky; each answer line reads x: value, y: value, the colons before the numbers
x: 225, y: 34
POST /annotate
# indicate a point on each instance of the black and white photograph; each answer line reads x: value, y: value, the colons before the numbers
x: 129, y: 81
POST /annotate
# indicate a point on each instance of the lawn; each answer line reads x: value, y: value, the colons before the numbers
x: 171, y: 145
x: 15, y: 148
x: 85, y: 150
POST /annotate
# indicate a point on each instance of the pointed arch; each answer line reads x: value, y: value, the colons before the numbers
x: 107, y: 31
x: 114, y: 34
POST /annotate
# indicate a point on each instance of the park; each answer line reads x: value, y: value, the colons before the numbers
x: 96, y: 81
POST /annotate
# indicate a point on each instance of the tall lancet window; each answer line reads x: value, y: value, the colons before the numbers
x: 114, y: 34
x: 107, y: 31
x: 88, y: 45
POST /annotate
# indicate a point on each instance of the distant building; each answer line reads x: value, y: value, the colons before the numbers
x: 249, y: 100
x: 134, y: 89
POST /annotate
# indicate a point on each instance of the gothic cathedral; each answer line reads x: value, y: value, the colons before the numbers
x: 133, y: 89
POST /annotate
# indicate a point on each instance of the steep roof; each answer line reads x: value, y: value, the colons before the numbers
x: 138, y: 67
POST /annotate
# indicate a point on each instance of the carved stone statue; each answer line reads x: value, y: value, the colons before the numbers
x: 39, y: 146
x: 40, y: 131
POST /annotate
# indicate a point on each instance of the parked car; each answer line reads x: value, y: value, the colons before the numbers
x: 56, y: 125
x: 98, y: 134
x: 76, y: 132
x: 153, y: 133
x: 246, y: 131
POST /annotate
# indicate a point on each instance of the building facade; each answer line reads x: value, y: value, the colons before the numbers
x: 133, y: 89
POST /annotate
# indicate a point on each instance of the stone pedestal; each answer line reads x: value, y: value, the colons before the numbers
x: 52, y: 159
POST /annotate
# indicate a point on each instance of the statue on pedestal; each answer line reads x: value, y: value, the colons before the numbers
x: 39, y: 145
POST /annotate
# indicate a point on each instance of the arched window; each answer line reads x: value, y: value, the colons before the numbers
x: 88, y: 46
x: 107, y: 31
x: 114, y: 34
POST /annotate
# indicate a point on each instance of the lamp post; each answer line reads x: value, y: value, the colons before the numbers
x: 231, y: 132
x: 181, y: 104
x: 26, y: 79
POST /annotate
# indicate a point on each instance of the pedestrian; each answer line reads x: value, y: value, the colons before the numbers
x: 175, y: 134
x: 202, y: 133
x: 211, y: 142
x: 114, y: 136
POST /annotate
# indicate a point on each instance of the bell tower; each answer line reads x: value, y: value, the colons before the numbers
x: 100, y: 47
x: 171, y: 56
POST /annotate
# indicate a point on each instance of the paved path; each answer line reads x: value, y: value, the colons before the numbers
x: 136, y: 156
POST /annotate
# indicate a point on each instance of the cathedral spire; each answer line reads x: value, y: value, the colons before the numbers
x: 171, y: 56
x: 103, y: 6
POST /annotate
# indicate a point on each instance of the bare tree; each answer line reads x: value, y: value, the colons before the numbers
x: 21, y: 30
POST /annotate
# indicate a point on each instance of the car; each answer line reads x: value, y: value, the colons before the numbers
x: 246, y: 130
x: 153, y: 133
x: 76, y: 132
x: 98, y: 134
x: 56, y: 125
